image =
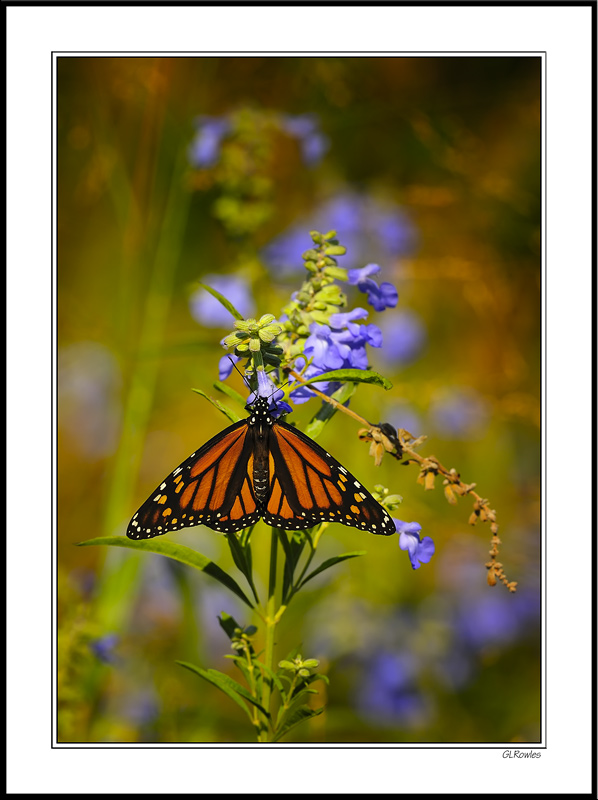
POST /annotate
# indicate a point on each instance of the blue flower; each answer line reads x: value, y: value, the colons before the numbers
x: 321, y: 349
x: 404, y: 336
x: 341, y: 346
x: 381, y: 297
x: 389, y: 692
x: 420, y: 550
x: 459, y: 413
x: 226, y: 366
x: 365, y: 226
x: 266, y: 388
x: 305, y: 127
x: 206, y: 310
x: 103, y: 648
x: 205, y: 148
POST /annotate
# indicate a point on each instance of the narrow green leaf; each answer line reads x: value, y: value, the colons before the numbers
x: 179, y: 552
x: 221, y: 299
x: 352, y: 375
x: 330, y: 562
x: 228, y: 624
x: 230, y: 392
x: 234, y: 417
x: 297, y: 716
x: 227, y: 685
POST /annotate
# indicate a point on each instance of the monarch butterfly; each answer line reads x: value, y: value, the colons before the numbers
x: 259, y: 467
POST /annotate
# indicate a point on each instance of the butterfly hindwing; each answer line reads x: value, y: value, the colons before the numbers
x: 309, y: 486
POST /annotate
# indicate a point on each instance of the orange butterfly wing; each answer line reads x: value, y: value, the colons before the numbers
x: 309, y: 486
x: 213, y: 487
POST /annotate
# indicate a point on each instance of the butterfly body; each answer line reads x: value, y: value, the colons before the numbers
x: 259, y: 467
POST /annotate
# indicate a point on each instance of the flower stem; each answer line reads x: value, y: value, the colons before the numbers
x: 271, y: 622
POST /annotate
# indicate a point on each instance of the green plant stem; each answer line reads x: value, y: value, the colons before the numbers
x: 271, y: 622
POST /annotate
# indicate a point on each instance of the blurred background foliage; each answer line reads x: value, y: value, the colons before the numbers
x: 174, y: 170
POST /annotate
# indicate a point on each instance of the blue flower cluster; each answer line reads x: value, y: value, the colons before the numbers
x: 366, y: 227
x: 204, y: 151
x: 340, y: 345
x: 306, y: 129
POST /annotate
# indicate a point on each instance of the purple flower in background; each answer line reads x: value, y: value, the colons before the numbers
x: 103, y: 648
x: 393, y: 228
x: 404, y: 336
x: 402, y: 415
x: 206, y: 310
x: 89, y: 395
x: 388, y: 690
x: 380, y: 297
x: 205, y: 148
x: 305, y: 128
x: 365, y: 226
x: 420, y: 550
x: 459, y: 413
x: 141, y: 707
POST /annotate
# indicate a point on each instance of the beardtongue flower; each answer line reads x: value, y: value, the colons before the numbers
x: 380, y: 297
x: 420, y: 550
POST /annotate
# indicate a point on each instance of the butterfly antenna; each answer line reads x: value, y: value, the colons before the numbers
x: 245, y: 381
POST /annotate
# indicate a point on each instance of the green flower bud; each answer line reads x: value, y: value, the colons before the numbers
x: 255, y: 345
x: 335, y: 250
x: 244, y: 324
x: 311, y: 266
x: 266, y: 319
x: 393, y: 500
x: 310, y: 255
x: 304, y: 673
x: 250, y: 630
x: 330, y: 235
x: 241, y: 349
x: 323, y: 317
x: 338, y: 273
x: 286, y: 665
x: 317, y: 237
x: 310, y: 663
x: 330, y: 294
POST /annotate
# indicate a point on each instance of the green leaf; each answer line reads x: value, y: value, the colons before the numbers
x: 230, y: 392
x: 242, y: 558
x: 179, y: 552
x: 327, y: 410
x: 228, y: 624
x: 297, y: 716
x: 221, y: 299
x: 352, y: 375
x: 330, y: 562
x: 234, y: 417
x: 227, y: 685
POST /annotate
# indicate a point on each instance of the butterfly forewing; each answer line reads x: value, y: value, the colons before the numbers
x: 308, y: 486
x: 212, y: 487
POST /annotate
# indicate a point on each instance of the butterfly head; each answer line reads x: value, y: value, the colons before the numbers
x: 259, y: 412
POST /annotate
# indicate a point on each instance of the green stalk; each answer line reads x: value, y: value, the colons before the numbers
x: 119, y: 574
x: 271, y: 622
